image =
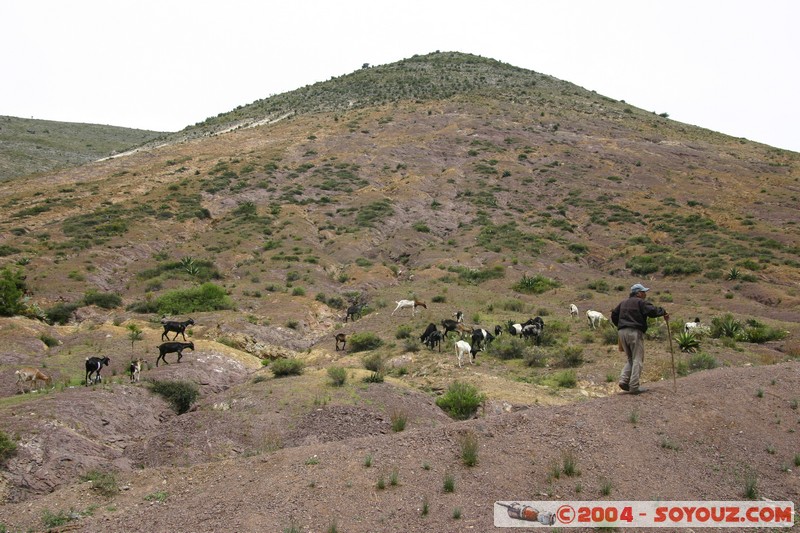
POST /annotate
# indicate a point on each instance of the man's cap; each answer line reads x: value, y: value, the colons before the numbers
x: 638, y: 288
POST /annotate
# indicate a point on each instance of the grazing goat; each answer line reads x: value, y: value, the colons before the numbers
x: 463, y: 330
x: 340, y: 337
x: 573, y: 311
x: 534, y: 330
x: 434, y: 339
x: 413, y: 304
x: 481, y: 338
x: 31, y: 375
x: 93, y: 366
x: 459, y: 316
x: 515, y: 329
x: 449, y: 325
x: 498, y: 329
x: 177, y: 327
x: 173, y: 347
x: 595, y: 318
x: 691, y: 325
x: 136, y: 369
x: 463, y: 349
x: 354, y: 310
x: 430, y: 329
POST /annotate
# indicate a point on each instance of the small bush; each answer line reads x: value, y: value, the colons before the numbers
x: 461, y: 401
x: 687, y: 342
x: 702, y: 361
x: 571, y: 356
x: 537, y: 284
x: 399, y: 419
x: 48, y: 340
x: 469, y: 449
x: 338, y: 375
x: 52, y: 520
x: 7, y: 447
x: 373, y: 362
x: 106, y: 300
x: 403, y: 332
x: 180, y: 394
x: 361, y: 342
x: 61, y: 313
x: 535, y: 356
x: 449, y: 484
x: 725, y: 326
x: 287, y: 367
x: 375, y: 377
x: 104, y: 483
x: 507, y: 347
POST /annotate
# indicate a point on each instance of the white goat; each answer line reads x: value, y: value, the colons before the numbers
x: 31, y: 375
x: 595, y: 318
x: 413, y: 304
x: 691, y: 325
x: 463, y: 349
x: 573, y: 311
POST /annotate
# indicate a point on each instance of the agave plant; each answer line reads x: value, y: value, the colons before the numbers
x: 687, y: 341
x: 726, y: 326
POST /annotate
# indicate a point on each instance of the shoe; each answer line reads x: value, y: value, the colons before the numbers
x: 638, y: 391
x: 624, y: 386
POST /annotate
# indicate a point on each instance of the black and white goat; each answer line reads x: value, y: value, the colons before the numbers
x: 173, y: 347
x: 481, y: 338
x: 93, y: 366
x: 459, y: 316
x: 178, y: 327
x: 449, y: 325
x: 136, y: 369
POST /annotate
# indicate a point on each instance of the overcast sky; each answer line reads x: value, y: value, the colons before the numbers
x: 726, y: 65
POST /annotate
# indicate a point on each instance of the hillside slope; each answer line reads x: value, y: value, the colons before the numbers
x: 29, y: 146
x: 460, y: 181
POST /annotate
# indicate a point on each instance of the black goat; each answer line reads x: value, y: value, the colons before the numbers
x: 93, y: 366
x: 173, y: 347
x: 354, y: 310
x: 177, y: 327
x: 430, y: 329
x: 434, y: 339
x: 449, y: 325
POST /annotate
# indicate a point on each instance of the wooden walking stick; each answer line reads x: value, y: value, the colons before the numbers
x: 672, y: 355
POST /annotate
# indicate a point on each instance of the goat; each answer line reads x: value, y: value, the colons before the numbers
x: 573, y: 311
x: 463, y: 330
x: 354, y: 310
x: 430, y: 329
x: 515, y: 329
x: 413, y: 304
x: 340, y: 337
x: 498, y: 329
x: 177, y: 327
x: 93, y: 366
x: 32, y: 375
x: 459, y: 316
x: 691, y: 325
x: 173, y: 347
x: 533, y: 331
x: 434, y: 339
x: 463, y: 349
x: 449, y: 325
x: 595, y: 318
x: 481, y: 338
x: 136, y: 369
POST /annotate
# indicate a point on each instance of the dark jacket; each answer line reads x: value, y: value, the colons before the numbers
x: 633, y: 313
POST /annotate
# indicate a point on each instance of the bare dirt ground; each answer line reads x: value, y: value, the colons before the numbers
x: 279, y: 455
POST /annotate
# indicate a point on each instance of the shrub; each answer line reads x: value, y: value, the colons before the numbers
x: 373, y: 362
x: 535, y: 356
x: 104, y: 483
x: 725, y: 326
x: 180, y: 394
x: 759, y: 333
x: 403, y: 332
x: 469, y: 449
x: 48, y: 340
x: 287, y: 367
x: 375, y: 377
x: 361, y: 342
x: 399, y: 419
x: 60, y: 313
x: 571, y: 356
x: 565, y: 379
x: 537, y: 284
x: 12, y: 290
x: 687, y: 342
x: 206, y: 297
x: 702, y: 361
x: 461, y: 401
x: 106, y: 300
x: 7, y: 447
x: 338, y: 375
x: 507, y: 347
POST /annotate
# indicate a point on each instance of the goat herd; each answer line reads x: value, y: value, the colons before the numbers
x: 31, y: 376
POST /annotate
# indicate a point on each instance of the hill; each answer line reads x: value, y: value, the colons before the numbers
x: 461, y: 181
x: 29, y: 146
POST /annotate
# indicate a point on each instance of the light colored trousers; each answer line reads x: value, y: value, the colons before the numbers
x: 632, y: 342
